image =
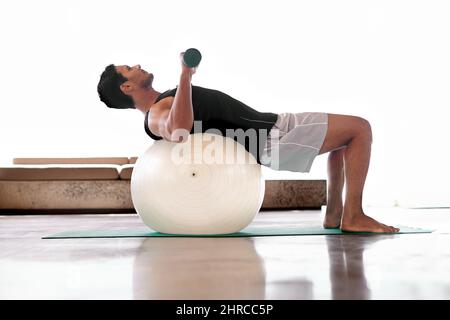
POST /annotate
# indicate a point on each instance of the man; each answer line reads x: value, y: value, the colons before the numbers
x: 297, y: 137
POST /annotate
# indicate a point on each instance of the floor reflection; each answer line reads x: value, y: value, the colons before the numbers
x: 198, y: 268
x: 346, y: 257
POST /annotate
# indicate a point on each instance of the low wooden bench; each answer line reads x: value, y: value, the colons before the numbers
x: 78, y: 185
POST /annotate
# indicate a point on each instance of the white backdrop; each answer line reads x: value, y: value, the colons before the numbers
x: 387, y: 61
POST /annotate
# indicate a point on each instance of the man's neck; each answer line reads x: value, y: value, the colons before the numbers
x: 147, y: 99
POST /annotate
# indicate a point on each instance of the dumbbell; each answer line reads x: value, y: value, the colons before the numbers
x: 192, y: 57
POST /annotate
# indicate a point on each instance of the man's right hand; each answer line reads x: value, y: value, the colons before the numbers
x: 185, y: 69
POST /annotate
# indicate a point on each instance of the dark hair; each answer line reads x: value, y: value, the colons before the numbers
x: 108, y: 89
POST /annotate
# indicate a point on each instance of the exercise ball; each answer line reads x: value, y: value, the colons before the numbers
x: 209, y: 184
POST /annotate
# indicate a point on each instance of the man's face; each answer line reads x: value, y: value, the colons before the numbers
x: 136, y: 76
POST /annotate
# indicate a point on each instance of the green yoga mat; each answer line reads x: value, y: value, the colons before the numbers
x: 252, y: 231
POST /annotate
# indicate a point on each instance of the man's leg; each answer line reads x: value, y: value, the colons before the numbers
x: 335, y: 186
x: 356, y: 134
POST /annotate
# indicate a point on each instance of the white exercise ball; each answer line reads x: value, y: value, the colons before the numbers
x: 209, y: 184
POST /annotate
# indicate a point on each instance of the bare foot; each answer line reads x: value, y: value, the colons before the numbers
x: 333, y: 216
x: 361, y: 223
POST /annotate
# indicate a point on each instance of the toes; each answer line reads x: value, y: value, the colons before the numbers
x: 385, y: 228
x: 389, y: 229
x: 393, y: 229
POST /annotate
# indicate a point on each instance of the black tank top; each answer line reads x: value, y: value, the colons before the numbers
x: 217, y: 110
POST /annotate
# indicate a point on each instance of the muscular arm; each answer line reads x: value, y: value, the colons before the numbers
x: 174, y: 120
x: 181, y: 116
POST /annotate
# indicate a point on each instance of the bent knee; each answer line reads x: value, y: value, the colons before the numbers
x: 364, y: 128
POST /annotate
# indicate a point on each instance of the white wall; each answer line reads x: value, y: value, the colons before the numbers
x: 387, y: 61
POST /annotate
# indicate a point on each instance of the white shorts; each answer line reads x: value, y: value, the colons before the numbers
x: 294, y: 141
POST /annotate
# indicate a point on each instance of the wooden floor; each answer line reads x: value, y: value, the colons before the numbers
x: 409, y: 266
